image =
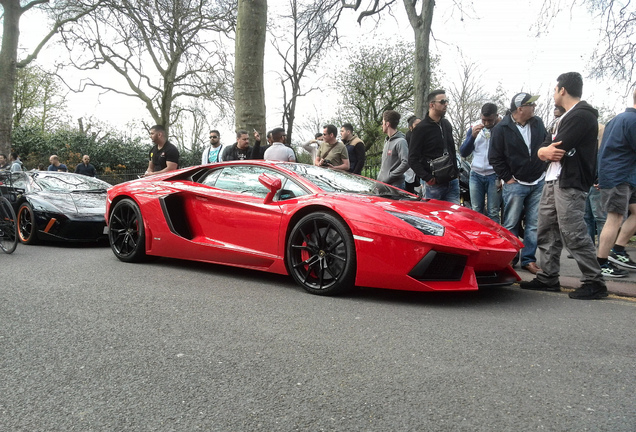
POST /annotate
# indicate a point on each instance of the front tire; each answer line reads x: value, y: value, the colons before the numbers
x: 126, y: 232
x: 27, y: 229
x: 321, y: 254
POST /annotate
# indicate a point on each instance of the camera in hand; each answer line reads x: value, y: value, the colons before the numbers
x: 326, y: 162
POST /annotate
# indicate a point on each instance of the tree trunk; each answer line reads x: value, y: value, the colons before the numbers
x: 249, y: 90
x: 8, y: 60
x: 421, y: 25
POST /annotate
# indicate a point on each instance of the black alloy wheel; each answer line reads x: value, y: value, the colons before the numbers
x: 320, y: 254
x: 27, y: 229
x: 126, y: 232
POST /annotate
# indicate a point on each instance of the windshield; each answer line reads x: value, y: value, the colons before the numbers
x: 69, y: 182
x: 331, y: 180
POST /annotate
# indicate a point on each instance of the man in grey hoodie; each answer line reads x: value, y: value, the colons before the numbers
x: 395, y: 155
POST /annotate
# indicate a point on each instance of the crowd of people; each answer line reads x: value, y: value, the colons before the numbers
x: 566, y: 184
x: 15, y: 164
x: 563, y: 185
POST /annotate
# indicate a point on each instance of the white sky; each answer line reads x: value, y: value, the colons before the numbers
x: 497, y: 34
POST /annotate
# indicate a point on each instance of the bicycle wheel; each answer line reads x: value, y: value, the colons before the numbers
x: 8, y: 227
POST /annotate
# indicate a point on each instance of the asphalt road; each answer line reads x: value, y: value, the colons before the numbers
x: 88, y: 343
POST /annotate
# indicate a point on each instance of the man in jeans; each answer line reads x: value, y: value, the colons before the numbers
x: 431, y: 139
x: 484, y: 185
x: 513, y: 154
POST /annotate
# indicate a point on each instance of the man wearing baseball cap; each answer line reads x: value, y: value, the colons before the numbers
x: 513, y: 155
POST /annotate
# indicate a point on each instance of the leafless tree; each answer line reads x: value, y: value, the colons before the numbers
x: 63, y: 13
x: 161, y: 51
x: 299, y: 39
x: 467, y: 97
x: 615, y: 55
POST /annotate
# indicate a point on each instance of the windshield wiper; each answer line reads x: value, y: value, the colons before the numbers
x: 89, y: 190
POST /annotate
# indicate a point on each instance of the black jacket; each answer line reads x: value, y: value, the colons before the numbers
x: 578, y: 131
x: 509, y: 154
x: 231, y: 153
x: 430, y: 140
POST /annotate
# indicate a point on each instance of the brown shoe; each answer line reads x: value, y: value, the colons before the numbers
x: 532, y: 268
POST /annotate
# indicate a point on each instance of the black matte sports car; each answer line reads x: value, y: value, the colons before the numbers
x: 56, y: 206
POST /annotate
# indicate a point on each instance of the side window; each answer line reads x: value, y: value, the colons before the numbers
x: 243, y: 179
x: 290, y: 190
x: 19, y: 181
x: 211, y: 177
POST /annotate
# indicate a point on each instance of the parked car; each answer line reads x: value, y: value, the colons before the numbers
x: 56, y: 206
x: 328, y: 229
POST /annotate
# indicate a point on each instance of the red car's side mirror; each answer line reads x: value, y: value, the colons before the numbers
x: 272, y: 183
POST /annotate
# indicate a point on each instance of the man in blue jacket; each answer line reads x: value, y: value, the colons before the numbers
x: 572, y: 171
x: 617, y: 180
x: 513, y: 155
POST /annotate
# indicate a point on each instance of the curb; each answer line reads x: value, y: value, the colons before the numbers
x: 622, y: 289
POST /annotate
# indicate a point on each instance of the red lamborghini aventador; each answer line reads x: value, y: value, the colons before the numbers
x: 328, y: 229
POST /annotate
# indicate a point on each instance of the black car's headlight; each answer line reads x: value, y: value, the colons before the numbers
x: 425, y: 226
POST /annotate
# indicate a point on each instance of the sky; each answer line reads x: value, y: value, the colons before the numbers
x: 499, y: 36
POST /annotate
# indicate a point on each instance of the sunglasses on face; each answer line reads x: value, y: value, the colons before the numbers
x: 443, y: 101
x: 213, y: 136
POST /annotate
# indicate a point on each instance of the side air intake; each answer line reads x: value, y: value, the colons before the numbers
x: 439, y: 266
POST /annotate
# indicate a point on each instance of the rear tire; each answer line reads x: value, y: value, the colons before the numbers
x: 27, y: 229
x: 126, y: 232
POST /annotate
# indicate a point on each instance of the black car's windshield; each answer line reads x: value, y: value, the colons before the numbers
x: 331, y: 180
x: 69, y: 183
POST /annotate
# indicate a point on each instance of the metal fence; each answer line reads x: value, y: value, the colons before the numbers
x: 120, y: 176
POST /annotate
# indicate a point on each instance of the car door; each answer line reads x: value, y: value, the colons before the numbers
x: 228, y: 212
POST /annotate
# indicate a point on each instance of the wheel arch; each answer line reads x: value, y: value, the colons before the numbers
x: 116, y: 200
x: 301, y: 213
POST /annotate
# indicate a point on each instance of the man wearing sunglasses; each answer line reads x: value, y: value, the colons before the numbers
x: 514, y: 144
x: 432, y: 139
x: 214, y: 151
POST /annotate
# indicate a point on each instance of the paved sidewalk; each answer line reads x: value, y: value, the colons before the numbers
x: 570, y: 276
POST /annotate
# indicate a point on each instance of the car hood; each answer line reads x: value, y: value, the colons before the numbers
x: 463, y: 225
x: 81, y: 203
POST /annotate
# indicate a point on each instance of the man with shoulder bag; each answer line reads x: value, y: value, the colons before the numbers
x: 432, y: 152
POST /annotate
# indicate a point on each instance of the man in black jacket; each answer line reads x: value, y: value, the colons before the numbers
x: 513, y: 155
x: 240, y: 150
x: 572, y: 154
x: 432, y: 138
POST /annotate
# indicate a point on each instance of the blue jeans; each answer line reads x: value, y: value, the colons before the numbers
x: 482, y: 187
x: 444, y: 192
x: 517, y: 198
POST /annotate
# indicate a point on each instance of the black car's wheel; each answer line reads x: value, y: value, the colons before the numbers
x: 321, y: 255
x: 126, y: 232
x: 27, y: 229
